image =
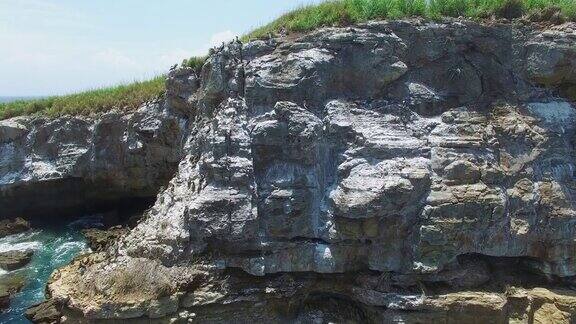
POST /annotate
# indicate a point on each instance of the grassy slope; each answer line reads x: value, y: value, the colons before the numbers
x: 328, y: 13
x: 343, y: 12
x: 126, y: 97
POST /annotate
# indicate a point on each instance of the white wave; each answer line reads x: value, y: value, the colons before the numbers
x: 3, y: 272
x: 59, y: 241
x: 22, y: 246
x: 64, y: 250
x: 25, y: 236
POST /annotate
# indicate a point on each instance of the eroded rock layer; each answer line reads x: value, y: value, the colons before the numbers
x: 71, y: 165
x: 387, y: 172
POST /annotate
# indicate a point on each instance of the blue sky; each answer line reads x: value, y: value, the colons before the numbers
x: 51, y: 47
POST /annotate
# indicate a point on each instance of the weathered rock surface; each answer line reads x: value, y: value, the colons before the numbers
x: 101, y: 239
x: 13, y: 226
x: 60, y: 165
x: 44, y: 313
x: 13, y: 260
x: 387, y: 172
x: 9, y: 285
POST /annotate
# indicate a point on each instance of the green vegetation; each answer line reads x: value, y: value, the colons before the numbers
x: 122, y: 97
x: 195, y: 62
x: 344, y: 12
x: 328, y: 13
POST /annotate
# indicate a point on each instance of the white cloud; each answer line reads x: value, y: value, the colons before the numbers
x: 223, y: 36
x: 26, y: 57
x: 39, y: 13
x: 170, y: 58
x: 114, y: 58
x: 162, y: 60
x: 32, y: 63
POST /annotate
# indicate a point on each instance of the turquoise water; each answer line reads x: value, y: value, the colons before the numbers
x: 54, y: 245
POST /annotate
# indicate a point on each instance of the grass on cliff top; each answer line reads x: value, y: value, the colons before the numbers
x: 196, y: 62
x: 345, y: 12
x: 122, y: 97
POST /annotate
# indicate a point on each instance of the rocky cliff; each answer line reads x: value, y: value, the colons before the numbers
x: 402, y: 171
x: 70, y: 165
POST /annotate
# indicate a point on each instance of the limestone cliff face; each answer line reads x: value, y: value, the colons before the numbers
x: 70, y: 164
x: 386, y: 172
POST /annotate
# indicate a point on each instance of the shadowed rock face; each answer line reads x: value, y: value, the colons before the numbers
x: 376, y: 173
x: 71, y: 165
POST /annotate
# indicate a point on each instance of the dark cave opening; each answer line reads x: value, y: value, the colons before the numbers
x: 522, y: 271
x: 65, y: 200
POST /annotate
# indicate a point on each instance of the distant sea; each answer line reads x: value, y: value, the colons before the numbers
x: 11, y: 99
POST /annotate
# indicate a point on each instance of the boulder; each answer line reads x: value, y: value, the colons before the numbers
x: 14, y: 260
x: 9, y: 285
x: 13, y: 226
x: 44, y: 313
x: 99, y: 240
x: 12, y: 130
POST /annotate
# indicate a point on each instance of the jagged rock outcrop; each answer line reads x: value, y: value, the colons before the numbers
x: 10, y: 284
x: 44, y: 313
x: 13, y: 226
x: 100, y: 239
x: 14, y: 260
x: 63, y: 165
x: 387, y: 172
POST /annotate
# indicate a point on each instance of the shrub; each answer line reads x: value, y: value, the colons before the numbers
x: 195, y: 62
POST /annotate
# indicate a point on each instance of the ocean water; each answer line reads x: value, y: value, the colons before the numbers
x: 11, y: 99
x: 54, y: 246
